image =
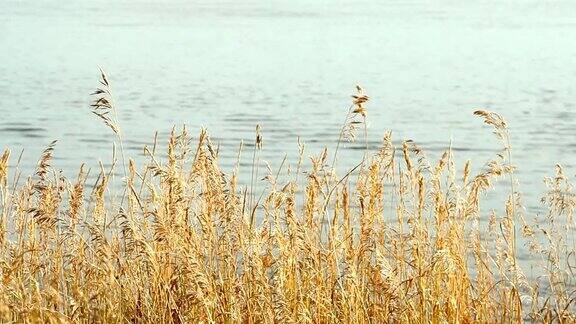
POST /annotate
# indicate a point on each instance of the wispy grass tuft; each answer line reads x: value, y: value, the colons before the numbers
x: 407, y: 241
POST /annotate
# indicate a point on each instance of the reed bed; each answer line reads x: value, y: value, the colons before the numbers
x: 398, y: 238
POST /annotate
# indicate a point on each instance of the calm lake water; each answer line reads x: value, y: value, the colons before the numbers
x: 291, y: 66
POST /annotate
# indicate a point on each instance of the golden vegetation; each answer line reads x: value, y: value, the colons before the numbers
x: 398, y: 238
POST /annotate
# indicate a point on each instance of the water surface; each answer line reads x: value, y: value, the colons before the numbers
x: 291, y: 66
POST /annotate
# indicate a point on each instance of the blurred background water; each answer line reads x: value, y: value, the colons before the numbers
x: 291, y: 66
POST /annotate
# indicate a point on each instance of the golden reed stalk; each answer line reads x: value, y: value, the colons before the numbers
x: 396, y: 239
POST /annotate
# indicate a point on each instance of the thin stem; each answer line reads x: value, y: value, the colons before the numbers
x: 513, y: 197
x: 341, y: 135
x: 365, y: 133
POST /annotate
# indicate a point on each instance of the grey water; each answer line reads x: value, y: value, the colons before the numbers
x: 291, y: 66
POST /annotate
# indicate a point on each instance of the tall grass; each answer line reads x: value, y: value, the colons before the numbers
x: 398, y: 238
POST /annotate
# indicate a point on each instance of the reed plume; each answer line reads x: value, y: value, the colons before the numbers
x: 406, y: 239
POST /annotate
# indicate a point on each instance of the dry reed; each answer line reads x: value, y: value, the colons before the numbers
x: 403, y: 243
